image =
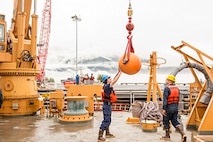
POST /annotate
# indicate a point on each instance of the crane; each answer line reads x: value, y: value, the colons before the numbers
x: 44, y: 39
x: 18, y: 62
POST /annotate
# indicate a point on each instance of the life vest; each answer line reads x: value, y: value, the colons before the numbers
x: 112, y: 97
x: 174, y: 95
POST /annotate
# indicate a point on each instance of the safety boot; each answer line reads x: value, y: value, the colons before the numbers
x: 166, y: 137
x: 100, y: 136
x: 179, y: 128
x: 108, y: 134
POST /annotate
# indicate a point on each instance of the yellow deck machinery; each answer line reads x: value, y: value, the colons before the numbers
x: 153, y: 94
x: 56, y: 103
x: 154, y: 91
x: 80, y: 102
x: 201, y: 112
x: 18, y: 62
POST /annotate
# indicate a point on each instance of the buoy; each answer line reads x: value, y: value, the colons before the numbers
x: 132, y: 66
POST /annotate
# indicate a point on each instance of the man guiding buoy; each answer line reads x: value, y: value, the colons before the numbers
x: 107, y: 106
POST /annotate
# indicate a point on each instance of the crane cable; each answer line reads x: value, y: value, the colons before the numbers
x: 129, y: 27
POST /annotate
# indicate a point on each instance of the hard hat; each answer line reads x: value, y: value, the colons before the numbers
x: 105, y: 77
x: 171, y: 77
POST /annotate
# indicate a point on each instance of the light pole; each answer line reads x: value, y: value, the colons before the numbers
x: 75, y: 18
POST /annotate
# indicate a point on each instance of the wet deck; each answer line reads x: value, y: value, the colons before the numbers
x: 41, y: 128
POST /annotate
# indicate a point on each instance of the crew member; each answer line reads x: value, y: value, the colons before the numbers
x: 92, y: 78
x: 170, y: 108
x: 107, y: 106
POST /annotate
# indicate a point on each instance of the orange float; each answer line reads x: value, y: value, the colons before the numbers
x: 132, y: 66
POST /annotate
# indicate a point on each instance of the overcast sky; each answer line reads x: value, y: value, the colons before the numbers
x: 159, y: 24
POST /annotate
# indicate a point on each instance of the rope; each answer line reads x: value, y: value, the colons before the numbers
x: 147, y: 111
x: 136, y: 107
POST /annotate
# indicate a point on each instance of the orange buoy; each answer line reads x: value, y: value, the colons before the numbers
x: 132, y: 66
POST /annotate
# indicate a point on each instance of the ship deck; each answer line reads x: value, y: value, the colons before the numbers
x: 41, y: 128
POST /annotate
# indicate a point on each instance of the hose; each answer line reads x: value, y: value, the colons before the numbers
x: 209, y: 89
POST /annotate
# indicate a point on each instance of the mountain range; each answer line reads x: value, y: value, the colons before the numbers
x: 62, y: 67
x: 91, y: 64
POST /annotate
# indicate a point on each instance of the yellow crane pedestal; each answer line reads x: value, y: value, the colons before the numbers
x: 19, y: 64
x: 76, y: 111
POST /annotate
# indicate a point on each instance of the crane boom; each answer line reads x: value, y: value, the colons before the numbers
x: 44, y: 38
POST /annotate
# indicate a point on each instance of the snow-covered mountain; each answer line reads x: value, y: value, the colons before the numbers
x: 63, y: 66
x: 89, y: 63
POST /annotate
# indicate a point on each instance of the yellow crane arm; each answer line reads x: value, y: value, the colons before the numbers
x: 21, y: 7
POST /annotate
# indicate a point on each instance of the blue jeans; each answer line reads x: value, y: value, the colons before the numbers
x: 171, y: 115
x: 107, y: 112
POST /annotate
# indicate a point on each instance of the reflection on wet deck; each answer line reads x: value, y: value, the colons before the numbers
x: 41, y: 128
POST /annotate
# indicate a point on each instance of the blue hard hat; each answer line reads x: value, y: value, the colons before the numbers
x: 105, y: 77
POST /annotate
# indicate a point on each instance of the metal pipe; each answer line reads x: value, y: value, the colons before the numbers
x: 76, y: 19
x: 35, y: 6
